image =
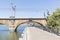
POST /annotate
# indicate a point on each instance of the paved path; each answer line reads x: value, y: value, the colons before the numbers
x: 38, y: 34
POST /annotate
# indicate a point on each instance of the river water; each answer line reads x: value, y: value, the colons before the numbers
x: 5, y: 34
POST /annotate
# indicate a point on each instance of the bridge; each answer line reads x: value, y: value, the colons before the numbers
x: 13, y: 23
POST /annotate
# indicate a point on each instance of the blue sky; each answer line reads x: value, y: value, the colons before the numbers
x: 28, y: 8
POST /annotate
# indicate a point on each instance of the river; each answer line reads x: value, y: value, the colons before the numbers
x: 5, y: 34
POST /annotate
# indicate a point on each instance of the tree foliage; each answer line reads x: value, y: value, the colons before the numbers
x: 54, y: 19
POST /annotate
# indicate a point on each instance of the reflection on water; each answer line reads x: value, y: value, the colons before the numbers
x: 13, y: 36
x: 6, y: 35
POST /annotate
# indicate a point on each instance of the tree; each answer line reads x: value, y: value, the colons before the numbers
x: 53, y: 21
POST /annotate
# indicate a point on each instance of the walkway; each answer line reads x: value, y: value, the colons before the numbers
x: 34, y: 33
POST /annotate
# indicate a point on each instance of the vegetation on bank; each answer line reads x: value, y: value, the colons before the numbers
x: 1, y: 24
x: 53, y: 21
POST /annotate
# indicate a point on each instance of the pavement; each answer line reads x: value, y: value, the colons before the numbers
x: 33, y: 33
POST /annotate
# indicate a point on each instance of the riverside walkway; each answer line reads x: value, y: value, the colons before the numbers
x: 34, y: 33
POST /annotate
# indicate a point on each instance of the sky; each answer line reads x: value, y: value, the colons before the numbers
x: 28, y: 8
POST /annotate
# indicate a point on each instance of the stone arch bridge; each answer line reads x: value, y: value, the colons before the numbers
x: 12, y: 23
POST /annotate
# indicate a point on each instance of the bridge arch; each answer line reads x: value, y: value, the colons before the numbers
x: 21, y: 27
x: 3, y: 27
x: 32, y: 22
x: 28, y: 22
x: 3, y: 24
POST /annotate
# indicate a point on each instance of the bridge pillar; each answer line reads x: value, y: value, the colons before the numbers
x: 11, y: 29
x: 11, y: 25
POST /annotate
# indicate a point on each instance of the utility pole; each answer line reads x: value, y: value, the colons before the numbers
x: 13, y: 7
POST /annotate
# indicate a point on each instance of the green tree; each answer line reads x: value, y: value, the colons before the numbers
x: 53, y: 21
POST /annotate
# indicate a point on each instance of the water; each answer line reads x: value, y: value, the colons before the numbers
x: 5, y: 34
